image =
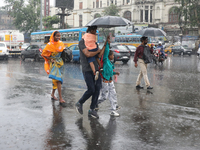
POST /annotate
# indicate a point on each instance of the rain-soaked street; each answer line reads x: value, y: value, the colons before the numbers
x: 165, y: 118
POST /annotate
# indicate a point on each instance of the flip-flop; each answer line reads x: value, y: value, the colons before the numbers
x: 63, y: 104
x: 52, y: 98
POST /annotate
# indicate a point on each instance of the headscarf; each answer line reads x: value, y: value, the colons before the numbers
x: 90, y: 40
x: 52, y: 46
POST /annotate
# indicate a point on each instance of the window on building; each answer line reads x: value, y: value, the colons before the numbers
x: 111, y: 1
x: 141, y: 15
x: 100, y: 3
x: 80, y: 20
x: 93, y: 4
x: 107, y: 2
x: 151, y: 12
x: 146, y: 13
x: 123, y: 2
x: 173, y: 15
x: 97, y: 3
x: 128, y: 1
x: 80, y: 5
x: 127, y: 15
x: 115, y: 2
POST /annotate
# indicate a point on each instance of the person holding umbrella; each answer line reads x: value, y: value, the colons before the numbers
x: 139, y: 57
x: 93, y: 87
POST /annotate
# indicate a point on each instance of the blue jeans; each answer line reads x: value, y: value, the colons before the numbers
x: 93, y: 89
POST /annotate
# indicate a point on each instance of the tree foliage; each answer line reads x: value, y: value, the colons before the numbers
x: 112, y: 10
x: 26, y: 15
x: 49, y: 21
x: 189, y: 13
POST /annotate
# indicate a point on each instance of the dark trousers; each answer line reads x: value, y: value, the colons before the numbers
x: 93, y: 89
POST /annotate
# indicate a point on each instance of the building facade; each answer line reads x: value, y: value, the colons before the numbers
x: 155, y: 13
x: 6, y: 21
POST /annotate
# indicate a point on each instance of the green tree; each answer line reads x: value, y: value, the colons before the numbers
x: 49, y: 21
x: 112, y: 10
x: 189, y: 13
x: 26, y: 15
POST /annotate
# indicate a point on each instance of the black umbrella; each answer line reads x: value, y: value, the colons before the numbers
x: 151, y: 32
x: 108, y: 22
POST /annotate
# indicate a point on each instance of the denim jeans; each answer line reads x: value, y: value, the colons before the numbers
x: 93, y: 89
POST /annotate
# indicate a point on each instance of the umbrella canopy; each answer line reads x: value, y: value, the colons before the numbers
x: 151, y: 32
x: 108, y: 22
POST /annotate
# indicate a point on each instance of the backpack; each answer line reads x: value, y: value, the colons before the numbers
x: 147, y: 57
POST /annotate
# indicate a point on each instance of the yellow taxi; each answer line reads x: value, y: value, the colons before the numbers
x: 168, y: 49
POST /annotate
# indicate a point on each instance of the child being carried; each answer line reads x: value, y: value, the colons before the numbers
x: 90, y: 43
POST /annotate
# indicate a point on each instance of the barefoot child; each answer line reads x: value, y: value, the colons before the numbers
x: 90, y: 43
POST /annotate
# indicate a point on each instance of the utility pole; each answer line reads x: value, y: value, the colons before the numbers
x: 40, y: 15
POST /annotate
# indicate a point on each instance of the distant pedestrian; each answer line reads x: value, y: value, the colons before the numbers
x: 108, y: 87
x: 139, y: 57
x: 54, y: 64
x: 90, y: 43
x: 93, y: 87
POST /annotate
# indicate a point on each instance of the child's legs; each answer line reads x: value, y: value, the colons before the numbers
x: 112, y: 96
x: 103, y: 93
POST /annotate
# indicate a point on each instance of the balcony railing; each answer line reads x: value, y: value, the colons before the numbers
x: 147, y: 1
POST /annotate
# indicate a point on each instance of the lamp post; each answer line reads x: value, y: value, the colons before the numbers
x: 181, y: 28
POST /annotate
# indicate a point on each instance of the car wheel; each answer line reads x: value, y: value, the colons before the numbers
x: 124, y: 61
x: 197, y: 54
x: 23, y: 57
x: 37, y: 58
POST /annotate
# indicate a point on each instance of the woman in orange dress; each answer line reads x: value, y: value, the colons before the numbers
x: 54, y: 65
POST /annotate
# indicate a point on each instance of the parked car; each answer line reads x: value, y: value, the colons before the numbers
x: 4, y: 53
x: 181, y: 50
x: 75, y: 53
x: 198, y: 51
x: 168, y: 49
x: 131, y: 48
x: 33, y: 51
x: 121, y: 52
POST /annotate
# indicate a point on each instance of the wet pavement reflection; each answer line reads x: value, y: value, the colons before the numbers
x: 167, y: 117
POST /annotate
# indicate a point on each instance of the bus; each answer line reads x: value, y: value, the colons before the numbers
x: 130, y: 40
x: 68, y: 36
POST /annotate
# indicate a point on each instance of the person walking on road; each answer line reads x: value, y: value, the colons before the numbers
x: 54, y: 65
x: 108, y: 87
x: 139, y: 57
x: 93, y: 87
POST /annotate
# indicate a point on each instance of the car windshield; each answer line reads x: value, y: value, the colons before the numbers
x: 121, y: 47
x: 2, y: 45
x: 131, y: 47
x: 185, y: 46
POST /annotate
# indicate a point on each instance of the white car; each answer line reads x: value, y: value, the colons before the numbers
x: 4, y: 53
x: 198, y: 52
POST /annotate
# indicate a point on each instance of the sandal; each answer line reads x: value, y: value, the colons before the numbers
x: 63, y: 103
x: 54, y: 98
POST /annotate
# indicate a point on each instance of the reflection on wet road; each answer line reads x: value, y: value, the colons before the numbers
x: 167, y: 117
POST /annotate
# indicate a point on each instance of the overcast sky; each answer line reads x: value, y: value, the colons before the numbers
x: 52, y: 3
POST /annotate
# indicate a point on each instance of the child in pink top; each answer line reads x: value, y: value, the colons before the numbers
x: 90, y: 43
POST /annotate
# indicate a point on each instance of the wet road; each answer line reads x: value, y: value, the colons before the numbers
x: 167, y: 117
